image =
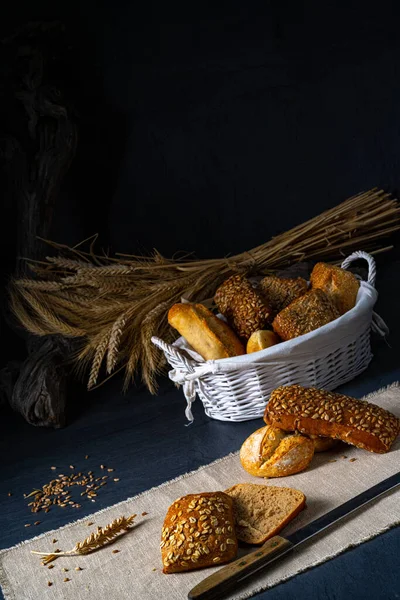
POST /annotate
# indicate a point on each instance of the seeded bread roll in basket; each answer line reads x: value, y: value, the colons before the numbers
x: 340, y: 285
x: 261, y: 511
x: 279, y: 292
x: 309, y: 312
x: 243, y: 307
x: 199, y: 531
x: 318, y: 412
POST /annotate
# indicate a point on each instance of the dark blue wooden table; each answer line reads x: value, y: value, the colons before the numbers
x: 145, y: 439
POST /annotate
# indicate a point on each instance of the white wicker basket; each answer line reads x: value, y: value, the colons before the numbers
x: 237, y: 389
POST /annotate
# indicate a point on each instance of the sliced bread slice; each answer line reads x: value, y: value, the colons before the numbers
x: 261, y: 511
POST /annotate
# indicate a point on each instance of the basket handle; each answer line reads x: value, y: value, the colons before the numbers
x: 176, y: 353
x: 370, y: 260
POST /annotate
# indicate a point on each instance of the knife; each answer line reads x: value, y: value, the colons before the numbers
x: 219, y: 584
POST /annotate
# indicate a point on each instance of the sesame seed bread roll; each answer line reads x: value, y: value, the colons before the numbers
x: 259, y: 340
x: 211, y: 337
x: 261, y: 511
x: 242, y: 306
x: 279, y: 292
x: 340, y: 285
x: 312, y: 310
x: 271, y: 452
x: 318, y: 412
x: 198, y: 531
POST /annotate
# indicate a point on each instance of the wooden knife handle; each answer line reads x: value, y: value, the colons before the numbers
x: 220, y: 582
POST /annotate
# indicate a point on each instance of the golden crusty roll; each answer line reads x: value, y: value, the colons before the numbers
x: 211, y: 337
x: 242, y: 305
x: 340, y: 285
x: 259, y: 340
x: 198, y: 531
x: 317, y: 412
x: 309, y: 312
x: 269, y: 452
x: 279, y: 292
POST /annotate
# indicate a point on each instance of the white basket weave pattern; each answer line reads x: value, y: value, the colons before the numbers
x: 237, y: 389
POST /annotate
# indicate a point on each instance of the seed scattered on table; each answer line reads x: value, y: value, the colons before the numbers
x: 102, y: 467
x: 87, y: 456
x: 344, y: 456
x: 49, y: 583
x: 154, y: 569
x: 116, y: 479
x: 50, y: 567
x: 54, y: 541
x: 53, y: 468
x: 90, y: 523
x: 65, y: 569
x: 37, y: 523
x: 71, y: 467
x: 144, y: 514
x: 78, y: 569
x: 331, y: 461
x: 67, y: 579
x: 115, y: 551
x: 9, y: 494
x: 27, y: 525
x: 110, y: 470
x: 352, y: 459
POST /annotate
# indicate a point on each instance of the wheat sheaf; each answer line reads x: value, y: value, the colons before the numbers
x: 115, y: 305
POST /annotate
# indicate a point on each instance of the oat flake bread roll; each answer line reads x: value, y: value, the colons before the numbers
x: 261, y: 511
x: 198, y: 531
x: 271, y: 452
x: 242, y: 306
x: 211, y: 337
x: 279, y: 292
x: 318, y: 412
x: 309, y: 312
x: 340, y: 285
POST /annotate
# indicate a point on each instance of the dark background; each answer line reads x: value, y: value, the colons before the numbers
x: 207, y: 128
x: 210, y: 128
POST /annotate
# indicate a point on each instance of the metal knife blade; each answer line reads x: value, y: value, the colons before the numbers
x: 218, y: 584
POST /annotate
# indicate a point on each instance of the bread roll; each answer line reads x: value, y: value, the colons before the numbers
x: 312, y: 310
x: 242, y: 305
x: 322, y: 444
x: 261, y: 511
x: 279, y: 292
x: 318, y: 412
x: 340, y: 285
x: 211, y: 337
x: 198, y: 531
x: 269, y: 452
x: 259, y: 340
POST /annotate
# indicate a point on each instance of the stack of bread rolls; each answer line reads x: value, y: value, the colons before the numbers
x: 260, y: 316
x: 301, y: 421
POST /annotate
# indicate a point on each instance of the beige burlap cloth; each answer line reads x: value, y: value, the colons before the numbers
x: 135, y: 571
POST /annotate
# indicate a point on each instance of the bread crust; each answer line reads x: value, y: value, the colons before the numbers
x: 309, y: 312
x: 244, y: 533
x: 269, y: 452
x: 211, y: 337
x: 198, y: 531
x: 341, y: 285
x: 318, y: 412
x: 259, y: 340
x: 242, y: 305
x: 279, y: 292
